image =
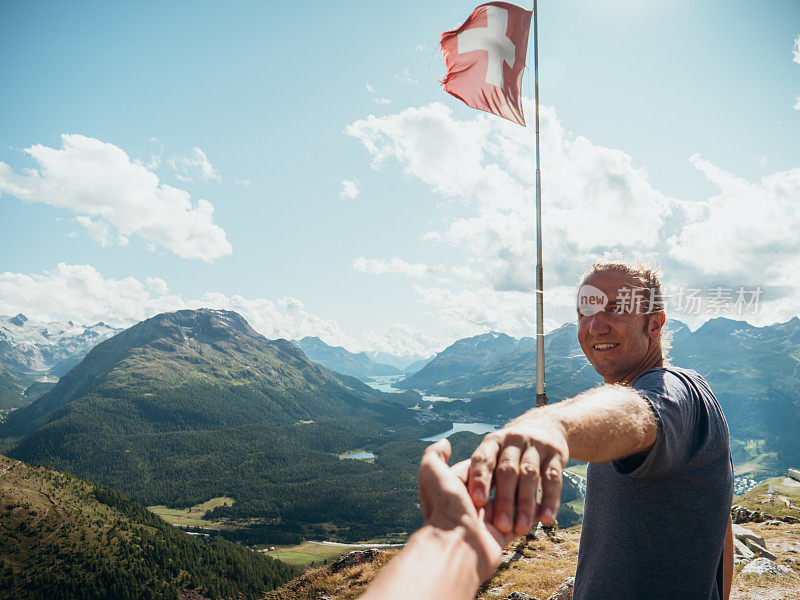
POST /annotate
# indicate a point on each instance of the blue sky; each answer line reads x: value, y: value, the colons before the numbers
x: 274, y: 101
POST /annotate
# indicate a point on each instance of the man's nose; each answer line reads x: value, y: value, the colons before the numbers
x: 598, y: 323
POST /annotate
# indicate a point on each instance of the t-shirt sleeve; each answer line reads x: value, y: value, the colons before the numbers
x: 674, y: 407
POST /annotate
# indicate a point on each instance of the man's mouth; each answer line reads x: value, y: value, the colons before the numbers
x: 604, y: 347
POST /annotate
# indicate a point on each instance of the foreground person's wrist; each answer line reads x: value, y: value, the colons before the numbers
x: 465, y: 543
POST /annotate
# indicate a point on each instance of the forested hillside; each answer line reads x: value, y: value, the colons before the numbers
x: 11, y: 388
x: 66, y: 538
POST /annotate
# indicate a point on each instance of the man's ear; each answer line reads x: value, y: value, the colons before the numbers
x: 657, y: 321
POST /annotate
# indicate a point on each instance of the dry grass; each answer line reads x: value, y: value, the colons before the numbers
x: 537, y: 567
x: 344, y: 585
x: 783, y: 541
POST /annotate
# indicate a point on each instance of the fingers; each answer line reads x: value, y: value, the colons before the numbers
x: 461, y: 470
x: 551, y: 490
x: 506, y: 476
x: 527, y: 488
x: 482, y: 465
x: 501, y: 539
x: 434, y: 459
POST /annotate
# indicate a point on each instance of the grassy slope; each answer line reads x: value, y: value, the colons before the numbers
x: 192, y: 517
x: 537, y: 568
x: 60, y: 540
x: 759, y: 499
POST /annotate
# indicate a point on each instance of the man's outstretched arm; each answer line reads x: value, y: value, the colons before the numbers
x: 602, y: 424
x: 454, y: 551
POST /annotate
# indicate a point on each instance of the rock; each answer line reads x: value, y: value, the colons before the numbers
x: 495, y: 591
x: 741, y: 550
x: 743, y: 534
x: 519, y: 596
x: 354, y: 558
x: 564, y: 591
x: 739, y: 560
x: 790, y: 519
x: 764, y: 566
x: 774, y: 523
x: 760, y: 550
x: 557, y: 540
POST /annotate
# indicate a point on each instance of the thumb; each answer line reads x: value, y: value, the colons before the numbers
x: 440, y: 449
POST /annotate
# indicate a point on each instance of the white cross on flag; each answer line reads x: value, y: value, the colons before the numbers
x: 485, y: 59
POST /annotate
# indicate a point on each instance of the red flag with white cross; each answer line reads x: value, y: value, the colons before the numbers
x: 486, y: 57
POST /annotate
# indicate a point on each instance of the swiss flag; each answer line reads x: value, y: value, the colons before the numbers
x: 485, y: 59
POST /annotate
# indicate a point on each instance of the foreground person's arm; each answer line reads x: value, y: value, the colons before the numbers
x: 606, y: 423
x: 453, y: 552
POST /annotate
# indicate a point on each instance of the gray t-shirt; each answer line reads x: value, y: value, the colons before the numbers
x: 654, y: 523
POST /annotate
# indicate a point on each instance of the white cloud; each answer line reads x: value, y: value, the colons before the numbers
x: 797, y: 104
x: 761, y: 160
x: 242, y: 182
x: 378, y: 100
x: 100, y: 231
x: 195, y: 165
x: 97, y: 179
x: 157, y: 286
x: 402, y: 340
x: 796, y: 50
x: 747, y: 228
x: 81, y: 294
x: 597, y: 205
x: 350, y: 189
x: 405, y: 77
x: 588, y: 191
x: 396, y: 265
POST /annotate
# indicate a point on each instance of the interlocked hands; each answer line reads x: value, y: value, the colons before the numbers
x: 446, y: 505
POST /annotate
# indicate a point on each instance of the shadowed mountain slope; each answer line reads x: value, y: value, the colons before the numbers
x: 343, y: 361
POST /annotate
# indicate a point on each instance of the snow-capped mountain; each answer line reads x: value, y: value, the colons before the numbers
x: 47, y: 348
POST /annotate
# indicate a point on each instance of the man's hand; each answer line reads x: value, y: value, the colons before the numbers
x: 446, y: 505
x: 520, y: 455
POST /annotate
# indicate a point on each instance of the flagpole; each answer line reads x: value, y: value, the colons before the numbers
x: 541, y: 395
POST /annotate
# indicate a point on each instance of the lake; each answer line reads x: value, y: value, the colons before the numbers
x: 363, y: 455
x: 479, y: 428
x: 384, y: 383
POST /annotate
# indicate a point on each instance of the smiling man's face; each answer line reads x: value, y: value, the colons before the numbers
x: 615, y: 338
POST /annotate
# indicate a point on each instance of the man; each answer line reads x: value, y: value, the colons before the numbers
x: 660, y: 478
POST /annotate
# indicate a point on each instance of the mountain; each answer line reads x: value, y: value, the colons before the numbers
x: 66, y: 538
x: 495, y: 374
x: 402, y: 363
x: 417, y: 365
x: 343, y: 361
x: 195, y: 404
x: 46, y: 348
x: 11, y: 390
x: 232, y: 374
x: 459, y: 361
x: 754, y: 372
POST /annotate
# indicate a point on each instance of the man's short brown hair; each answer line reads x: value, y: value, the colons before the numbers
x: 649, y: 290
